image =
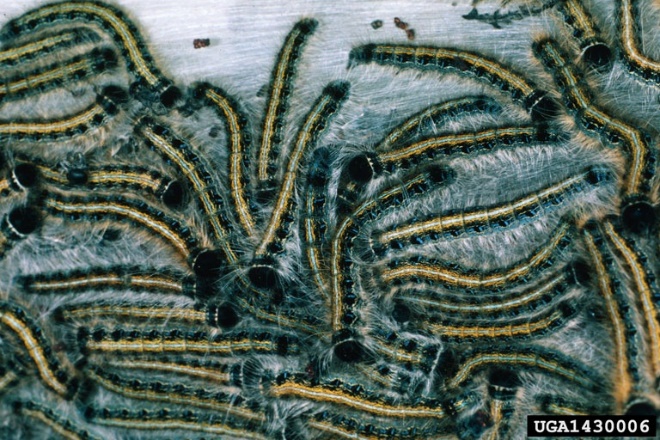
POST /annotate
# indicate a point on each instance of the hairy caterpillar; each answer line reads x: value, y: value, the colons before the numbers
x: 264, y: 264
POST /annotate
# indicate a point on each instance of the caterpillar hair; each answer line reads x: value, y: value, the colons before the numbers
x: 341, y: 426
x: 106, y: 106
x: 180, y: 421
x: 145, y: 341
x: 480, y: 220
x: 291, y: 220
x: 108, y: 19
x: 520, y: 329
x: 434, y: 116
x: 20, y: 179
x: 344, y: 297
x: 432, y: 271
x: 646, y: 288
x: 56, y: 75
x: 10, y: 374
x: 498, y: 306
x: 280, y: 89
x: 13, y: 55
x: 536, y: 101
x: 626, y: 373
x: 216, y: 315
x: 51, y: 371
x: 595, y: 51
x: 195, y: 170
x: 17, y: 225
x: 531, y: 356
x: 628, y: 30
x: 314, y: 226
x: 64, y: 427
x: 144, y: 180
x: 223, y: 373
x: 579, y: 100
x: 134, y: 278
x: 355, y: 397
x: 464, y: 144
x: 552, y: 404
x: 315, y: 124
x: 174, y: 393
x: 136, y: 212
x: 239, y: 138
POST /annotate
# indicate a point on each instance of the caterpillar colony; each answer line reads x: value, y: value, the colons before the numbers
x: 328, y: 220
